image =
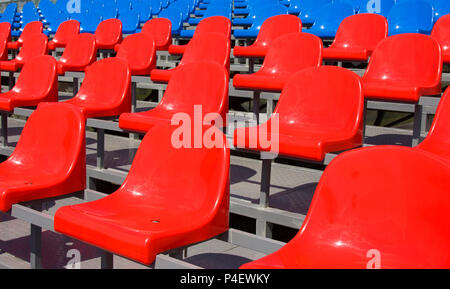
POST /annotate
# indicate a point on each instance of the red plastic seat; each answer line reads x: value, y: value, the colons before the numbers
x: 139, y: 50
x: 5, y: 28
x: 320, y: 111
x: 438, y: 139
x: 79, y: 53
x: 208, y: 47
x: 106, y: 89
x: 3, y: 47
x: 163, y: 204
x: 403, y: 68
x: 34, y: 27
x: 49, y: 159
x: 161, y: 31
x: 66, y: 31
x: 440, y: 32
x: 357, y: 37
x: 37, y: 82
x: 203, y: 83
x: 272, y: 28
x: 287, y: 54
x: 219, y: 24
x: 383, y: 206
x: 34, y: 45
x: 108, y: 33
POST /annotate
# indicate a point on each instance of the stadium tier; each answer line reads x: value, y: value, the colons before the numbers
x: 296, y: 133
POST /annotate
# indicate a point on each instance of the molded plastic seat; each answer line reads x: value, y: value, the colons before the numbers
x: 286, y: 55
x: 66, y: 32
x: 5, y: 28
x: 3, y: 47
x: 130, y: 21
x: 49, y: 159
x: 37, y: 82
x: 161, y: 31
x: 441, y: 8
x: 218, y: 24
x: 201, y: 83
x: 35, y: 45
x: 256, y: 21
x: 403, y: 68
x: 139, y: 50
x: 272, y: 28
x: 320, y: 111
x: 31, y: 28
x: 410, y: 16
x: 438, y: 139
x: 80, y: 52
x: 209, y: 47
x: 106, y: 89
x: 307, y: 9
x: 212, y: 12
x: 357, y: 37
x: 441, y: 32
x: 163, y: 203
x: 381, y: 7
x: 176, y: 18
x: 108, y: 34
x: 354, y: 216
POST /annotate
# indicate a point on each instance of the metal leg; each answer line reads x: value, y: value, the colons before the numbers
x: 160, y: 95
x: 269, y: 108
x: 263, y: 228
x: 100, y: 148
x: 11, y: 80
x: 133, y: 106
x: 75, y: 85
x: 4, y: 129
x: 35, y: 246
x: 265, y: 182
x: 107, y: 260
x: 256, y: 98
x: 364, y: 120
x: 177, y: 253
x: 418, y: 111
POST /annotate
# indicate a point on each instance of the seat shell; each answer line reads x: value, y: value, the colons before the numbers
x: 108, y: 34
x: 79, y: 53
x: 35, y: 45
x: 161, y: 31
x: 163, y: 203
x: 66, y: 31
x: 49, y: 159
x: 139, y: 50
x: 34, y: 27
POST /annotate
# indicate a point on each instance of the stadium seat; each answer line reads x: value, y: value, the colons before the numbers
x: 139, y: 50
x: 49, y: 159
x: 441, y: 32
x: 441, y: 8
x: 161, y: 31
x: 357, y: 37
x: 272, y: 28
x: 437, y: 140
x: 79, y: 53
x: 329, y: 18
x: 34, y: 45
x: 357, y: 221
x: 217, y: 24
x: 381, y: 7
x: 287, y: 54
x: 256, y: 20
x: 320, y: 111
x: 142, y: 218
x: 389, y: 77
x: 202, y: 83
x: 66, y: 31
x: 213, y: 12
x: 175, y: 16
x: 108, y: 34
x: 211, y: 47
x: 106, y: 89
x: 5, y: 28
x: 37, y: 82
x: 130, y: 21
x: 31, y: 28
x: 410, y: 16
x: 307, y: 9
x: 3, y: 47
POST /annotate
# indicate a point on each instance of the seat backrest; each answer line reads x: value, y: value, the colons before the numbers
x: 361, y: 31
x: 175, y: 16
x: 5, y: 28
x: 34, y: 27
x: 438, y: 139
x: 54, y: 136
x: 381, y: 7
x: 38, y: 77
x: 3, y: 46
x: 441, y: 8
x: 414, y: 16
x: 80, y: 51
x: 201, y: 83
x: 322, y: 99
x: 330, y: 16
x: 389, y: 201
x: 218, y: 24
x: 414, y: 58
x: 293, y: 52
x: 34, y: 45
x: 211, y: 47
x: 276, y: 26
x: 107, y: 81
x: 262, y: 13
x: 109, y: 32
x: 161, y: 31
x: 66, y: 31
x: 139, y: 50
x: 201, y: 180
x: 441, y: 32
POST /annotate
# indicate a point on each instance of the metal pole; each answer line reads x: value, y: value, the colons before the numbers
x: 418, y: 111
x: 100, y: 148
x: 4, y: 129
x: 107, y: 260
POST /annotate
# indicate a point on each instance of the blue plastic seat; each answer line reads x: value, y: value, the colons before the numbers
x: 175, y: 16
x: 411, y: 16
x: 307, y: 9
x: 224, y: 11
x: 130, y: 21
x: 329, y: 18
x: 370, y: 6
x: 261, y: 14
x: 156, y: 6
x: 441, y: 8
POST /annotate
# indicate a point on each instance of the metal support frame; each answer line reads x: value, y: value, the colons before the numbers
x: 417, y: 129
x: 75, y: 85
x: 11, y: 80
x: 107, y: 260
x: 256, y: 104
x: 4, y: 128
x: 100, y: 148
